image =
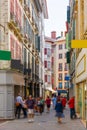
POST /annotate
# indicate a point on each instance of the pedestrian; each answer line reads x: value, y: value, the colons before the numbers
x: 54, y: 99
x: 24, y: 107
x: 48, y: 103
x: 41, y: 105
x: 59, y: 110
x: 19, y: 104
x: 64, y: 102
x: 71, y: 104
x: 30, y: 104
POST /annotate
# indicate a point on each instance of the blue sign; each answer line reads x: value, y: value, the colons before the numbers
x: 67, y: 78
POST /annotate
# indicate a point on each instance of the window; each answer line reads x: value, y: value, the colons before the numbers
x: 49, y: 79
x: 60, y: 76
x: 48, y: 52
x: 60, y: 56
x: 60, y: 85
x: 60, y: 47
x: 65, y: 67
x: 45, y: 64
x: 60, y: 66
x: 65, y: 86
x: 49, y: 65
x: 65, y: 74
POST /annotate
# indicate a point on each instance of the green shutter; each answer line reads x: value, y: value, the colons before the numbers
x: 68, y: 57
x: 67, y: 41
x: 5, y: 55
x: 39, y: 43
x: 68, y: 14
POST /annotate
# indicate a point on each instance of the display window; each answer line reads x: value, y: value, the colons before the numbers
x: 85, y: 100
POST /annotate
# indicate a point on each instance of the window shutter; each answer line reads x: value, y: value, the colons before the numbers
x: 45, y: 51
x: 45, y: 78
x: 45, y: 64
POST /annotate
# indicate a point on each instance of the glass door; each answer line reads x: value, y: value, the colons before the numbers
x: 80, y: 101
x: 85, y: 92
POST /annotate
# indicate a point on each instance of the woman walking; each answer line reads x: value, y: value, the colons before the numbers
x: 59, y: 110
x: 30, y: 104
x: 48, y: 103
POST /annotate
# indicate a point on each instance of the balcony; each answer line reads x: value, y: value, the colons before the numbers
x: 25, y: 7
x: 65, y: 69
x: 14, y: 26
x: 20, y: 1
x: 85, y: 35
x: 60, y: 78
x: 38, y: 5
x: 27, y: 10
x: 60, y: 69
x: 16, y: 65
x: 25, y: 38
x: 27, y: 71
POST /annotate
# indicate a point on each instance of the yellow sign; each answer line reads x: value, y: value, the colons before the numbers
x: 79, y: 44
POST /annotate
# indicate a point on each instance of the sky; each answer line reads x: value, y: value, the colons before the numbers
x: 57, y: 16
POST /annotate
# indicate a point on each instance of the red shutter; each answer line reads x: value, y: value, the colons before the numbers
x: 12, y: 6
x: 12, y: 46
x: 20, y: 16
x: 17, y: 50
x: 16, y: 12
x: 45, y: 51
x: 45, y: 64
x: 45, y: 78
x: 52, y: 50
x: 52, y: 61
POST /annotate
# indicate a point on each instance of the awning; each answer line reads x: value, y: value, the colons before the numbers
x: 50, y: 89
x: 18, y: 79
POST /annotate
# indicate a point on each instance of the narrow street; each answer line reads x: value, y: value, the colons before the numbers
x: 47, y: 121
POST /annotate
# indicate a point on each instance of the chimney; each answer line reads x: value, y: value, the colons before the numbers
x: 65, y: 33
x: 61, y: 34
x: 53, y: 34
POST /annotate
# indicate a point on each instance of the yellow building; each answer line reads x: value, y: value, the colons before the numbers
x: 80, y: 12
x: 60, y: 64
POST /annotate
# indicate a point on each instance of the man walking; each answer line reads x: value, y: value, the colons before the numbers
x: 19, y: 104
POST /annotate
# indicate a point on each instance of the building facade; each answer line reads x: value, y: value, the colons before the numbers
x: 81, y: 77
x: 20, y: 24
x: 78, y: 22
x: 61, y: 66
x: 48, y: 63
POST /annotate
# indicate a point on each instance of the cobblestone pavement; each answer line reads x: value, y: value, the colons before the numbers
x: 46, y: 121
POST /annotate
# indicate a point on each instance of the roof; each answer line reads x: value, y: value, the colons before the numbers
x: 49, y: 39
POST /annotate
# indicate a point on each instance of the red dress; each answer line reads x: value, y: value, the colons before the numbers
x: 48, y: 102
x: 64, y: 102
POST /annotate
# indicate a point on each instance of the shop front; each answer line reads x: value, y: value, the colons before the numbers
x: 11, y: 83
x: 81, y: 88
x: 81, y: 101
